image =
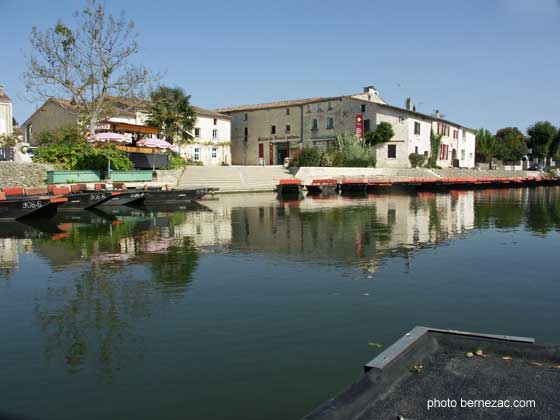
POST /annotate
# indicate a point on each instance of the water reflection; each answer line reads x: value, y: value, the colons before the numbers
x: 110, y: 270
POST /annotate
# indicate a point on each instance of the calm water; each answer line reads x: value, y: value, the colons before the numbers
x: 248, y: 308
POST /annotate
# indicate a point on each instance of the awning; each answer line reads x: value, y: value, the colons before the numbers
x: 133, y: 128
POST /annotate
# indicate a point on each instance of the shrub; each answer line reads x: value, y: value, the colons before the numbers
x: 309, y: 156
x: 175, y: 161
x: 190, y: 162
x: 355, y: 152
x: 416, y: 160
x: 80, y: 155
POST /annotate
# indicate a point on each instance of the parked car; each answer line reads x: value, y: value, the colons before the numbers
x: 537, y: 167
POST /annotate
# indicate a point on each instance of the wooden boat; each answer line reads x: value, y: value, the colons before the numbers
x: 19, y: 207
x: 429, y: 364
x: 322, y: 186
x: 289, y: 187
x: 81, y: 199
x: 158, y: 196
x: 124, y: 198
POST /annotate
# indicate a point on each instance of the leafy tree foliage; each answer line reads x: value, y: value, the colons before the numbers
x: 511, y: 144
x: 541, y: 139
x: 382, y: 134
x: 172, y: 113
x: 64, y: 134
x: 486, y: 146
x: 86, y: 62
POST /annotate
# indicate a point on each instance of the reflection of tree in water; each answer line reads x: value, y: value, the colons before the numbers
x: 543, y: 210
x: 89, y: 319
x: 537, y: 208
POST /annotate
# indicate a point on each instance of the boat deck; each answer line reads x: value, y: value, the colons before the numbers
x: 428, y: 364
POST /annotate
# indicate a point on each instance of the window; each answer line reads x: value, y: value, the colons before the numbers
x: 363, y: 107
x: 392, y: 151
x: 308, y: 108
x: 416, y: 150
x: 367, y: 127
x: 391, y: 216
x: 330, y: 123
x: 214, y: 133
x: 416, y: 128
x: 246, y: 134
x: 462, y: 154
x: 196, y: 154
x: 215, y: 121
x: 197, y: 132
x: 456, y: 134
x: 214, y: 152
x: 314, y: 125
x: 245, y: 116
x: 273, y: 129
x: 288, y: 128
x: 287, y: 111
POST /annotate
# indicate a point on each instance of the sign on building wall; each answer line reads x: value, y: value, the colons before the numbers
x: 359, y: 126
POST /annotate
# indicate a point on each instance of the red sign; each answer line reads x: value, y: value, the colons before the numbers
x: 359, y: 126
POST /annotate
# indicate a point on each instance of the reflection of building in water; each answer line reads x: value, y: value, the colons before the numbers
x: 356, y: 231
x: 207, y: 228
x: 10, y: 250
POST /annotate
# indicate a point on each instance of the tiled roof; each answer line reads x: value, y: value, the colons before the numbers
x: 277, y: 104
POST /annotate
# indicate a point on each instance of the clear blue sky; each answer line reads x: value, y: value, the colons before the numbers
x: 483, y: 63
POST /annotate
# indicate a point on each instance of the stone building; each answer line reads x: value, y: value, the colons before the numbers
x: 265, y: 134
x: 211, y: 136
x: 6, y: 113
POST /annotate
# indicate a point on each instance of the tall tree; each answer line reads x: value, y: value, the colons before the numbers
x: 511, y: 144
x: 382, y: 134
x: 486, y: 147
x: 172, y: 113
x: 555, y: 149
x: 541, y: 138
x: 86, y: 62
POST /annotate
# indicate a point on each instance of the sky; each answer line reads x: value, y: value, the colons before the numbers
x: 482, y: 63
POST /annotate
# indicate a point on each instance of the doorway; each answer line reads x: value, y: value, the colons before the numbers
x: 282, y: 152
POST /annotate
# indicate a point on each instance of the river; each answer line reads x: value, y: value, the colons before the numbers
x: 245, y: 307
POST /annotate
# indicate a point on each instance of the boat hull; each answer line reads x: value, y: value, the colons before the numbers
x: 174, y: 196
x: 25, y: 207
x: 125, y: 198
x: 85, y: 200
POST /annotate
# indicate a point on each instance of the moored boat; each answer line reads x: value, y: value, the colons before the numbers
x: 290, y: 187
x: 82, y: 199
x: 411, y: 378
x: 322, y: 186
x: 15, y: 207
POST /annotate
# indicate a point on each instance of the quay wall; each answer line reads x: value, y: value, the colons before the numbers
x: 23, y: 174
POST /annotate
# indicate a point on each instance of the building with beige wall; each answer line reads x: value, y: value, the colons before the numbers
x: 265, y: 134
x: 6, y: 113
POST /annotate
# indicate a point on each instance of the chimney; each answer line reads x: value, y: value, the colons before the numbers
x: 2, y: 93
x: 408, y: 103
x: 371, y: 91
x: 438, y: 115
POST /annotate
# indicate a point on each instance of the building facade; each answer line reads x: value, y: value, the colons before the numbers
x: 211, y: 144
x: 268, y: 133
x: 6, y: 113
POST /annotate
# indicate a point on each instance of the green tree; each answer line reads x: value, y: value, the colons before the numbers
x: 172, y: 113
x: 541, y: 139
x: 86, y: 62
x: 555, y: 149
x: 511, y: 144
x: 382, y: 134
x: 64, y: 134
x: 486, y: 147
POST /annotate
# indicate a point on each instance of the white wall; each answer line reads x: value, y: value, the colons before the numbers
x: 206, y: 143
